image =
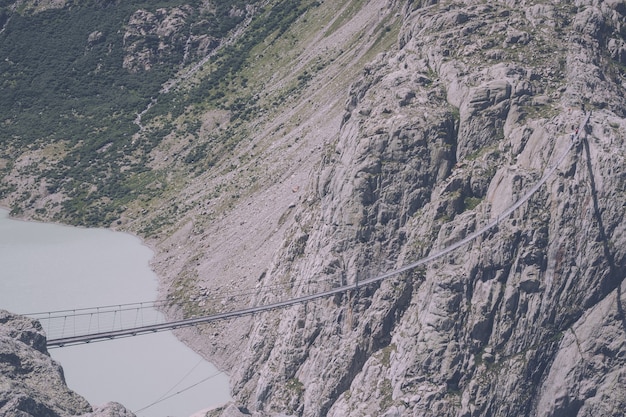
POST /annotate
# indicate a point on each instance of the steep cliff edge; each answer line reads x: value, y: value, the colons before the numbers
x: 440, y: 135
x: 31, y: 383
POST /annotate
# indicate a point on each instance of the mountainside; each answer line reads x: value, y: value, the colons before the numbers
x: 310, y: 145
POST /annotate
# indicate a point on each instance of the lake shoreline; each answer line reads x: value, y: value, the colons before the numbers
x: 149, y: 253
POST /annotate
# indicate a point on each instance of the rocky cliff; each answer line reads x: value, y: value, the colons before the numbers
x: 31, y: 383
x: 439, y: 134
x: 362, y: 136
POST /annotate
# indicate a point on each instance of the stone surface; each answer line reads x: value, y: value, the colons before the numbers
x: 524, y: 320
x: 31, y: 382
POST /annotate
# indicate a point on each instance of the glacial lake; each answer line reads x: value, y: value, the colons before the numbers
x: 48, y: 267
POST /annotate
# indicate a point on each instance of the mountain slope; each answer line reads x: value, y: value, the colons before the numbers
x: 347, y: 139
x: 439, y: 135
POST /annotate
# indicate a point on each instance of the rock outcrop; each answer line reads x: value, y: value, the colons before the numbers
x: 31, y: 383
x: 152, y: 38
x: 439, y: 136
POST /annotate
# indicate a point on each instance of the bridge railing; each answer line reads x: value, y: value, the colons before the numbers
x: 84, y: 321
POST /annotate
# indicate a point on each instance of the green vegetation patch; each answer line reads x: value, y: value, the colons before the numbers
x: 223, y: 85
x: 65, y: 78
x: 470, y: 203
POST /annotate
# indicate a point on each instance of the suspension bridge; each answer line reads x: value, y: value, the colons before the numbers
x: 71, y: 327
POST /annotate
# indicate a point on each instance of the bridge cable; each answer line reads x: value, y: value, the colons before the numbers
x: 178, y: 392
x: 162, y: 397
x: 60, y: 342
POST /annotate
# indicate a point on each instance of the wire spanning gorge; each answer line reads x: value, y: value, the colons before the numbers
x: 70, y: 327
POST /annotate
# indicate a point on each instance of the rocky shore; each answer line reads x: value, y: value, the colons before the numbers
x: 32, y: 383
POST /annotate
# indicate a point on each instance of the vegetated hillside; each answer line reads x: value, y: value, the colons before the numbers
x: 328, y: 142
x: 81, y: 87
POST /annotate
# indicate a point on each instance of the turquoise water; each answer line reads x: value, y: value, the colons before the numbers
x: 47, y: 267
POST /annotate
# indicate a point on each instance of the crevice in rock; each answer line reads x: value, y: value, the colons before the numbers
x: 612, y: 279
x: 377, y: 341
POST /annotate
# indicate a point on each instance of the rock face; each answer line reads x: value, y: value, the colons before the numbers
x: 31, y: 383
x: 439, y: 136
x: 174, y: 36
x: 359, y: 163
x: 151, y: 38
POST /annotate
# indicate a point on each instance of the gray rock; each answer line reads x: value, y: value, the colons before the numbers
x: 31, y: 382
x: 110, y: 409
x: 489, y: 329
x: 435, y: 137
